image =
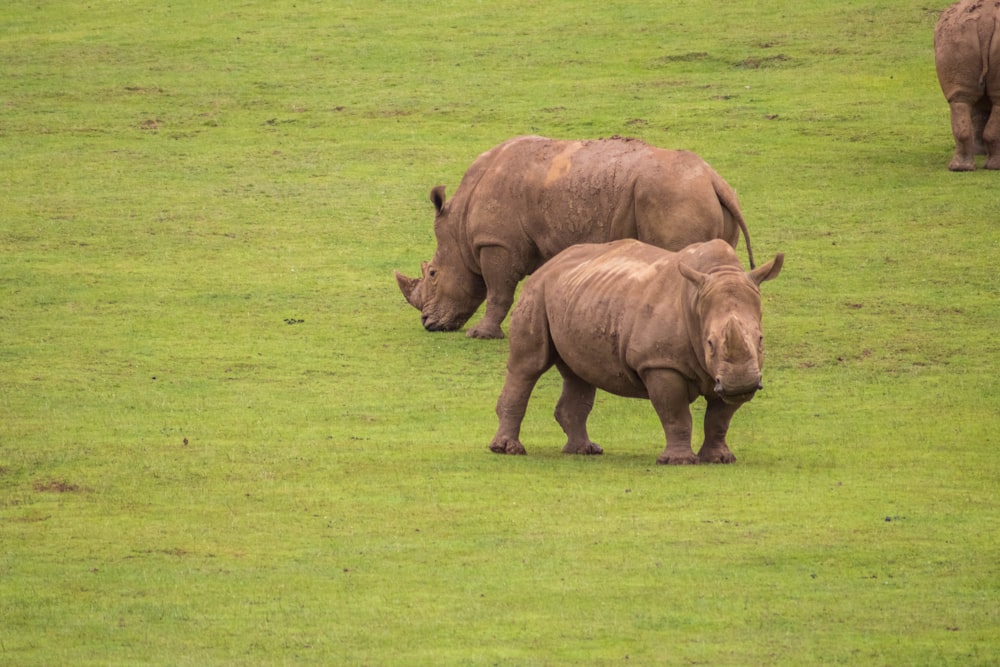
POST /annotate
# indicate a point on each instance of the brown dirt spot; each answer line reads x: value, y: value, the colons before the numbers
x: 56, y: 486
x: 691, y: 56
x: 757, y: 63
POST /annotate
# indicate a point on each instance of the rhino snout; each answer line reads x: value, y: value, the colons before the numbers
x: 430, y: 324
x: 737, y: 394
x: 435, y: 324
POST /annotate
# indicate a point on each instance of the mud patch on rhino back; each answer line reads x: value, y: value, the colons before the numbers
x: 562, y: 163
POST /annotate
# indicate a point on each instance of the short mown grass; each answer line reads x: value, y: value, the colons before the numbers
x: 225, y: 439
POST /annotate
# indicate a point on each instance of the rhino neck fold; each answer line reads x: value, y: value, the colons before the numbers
x: 453, y: 237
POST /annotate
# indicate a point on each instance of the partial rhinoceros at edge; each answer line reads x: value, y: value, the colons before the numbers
x: 967, y: 58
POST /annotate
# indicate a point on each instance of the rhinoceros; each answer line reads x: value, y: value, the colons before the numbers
x: 967, y: 57
x: 639, y: 321
x: 523, y: 201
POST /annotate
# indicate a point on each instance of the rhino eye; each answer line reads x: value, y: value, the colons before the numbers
x: 432, y: 273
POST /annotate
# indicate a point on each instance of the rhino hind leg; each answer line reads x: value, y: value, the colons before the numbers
x: 572, y: 410
x: 991, y: 138
x: 963, y: 128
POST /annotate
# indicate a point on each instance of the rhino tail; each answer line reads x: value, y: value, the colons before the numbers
x: 987, y: 34
x: 727, y: 197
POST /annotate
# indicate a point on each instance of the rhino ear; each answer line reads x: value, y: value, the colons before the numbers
x: 408, y: 286
x: 769, y: 271
x: 437, y: 198
x: 694, y: 275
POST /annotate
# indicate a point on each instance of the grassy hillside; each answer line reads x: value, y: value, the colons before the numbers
x: 225, y: 439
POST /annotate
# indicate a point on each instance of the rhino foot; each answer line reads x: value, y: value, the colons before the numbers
x: 962, y: 164
x: 485, y: 332
x: 589, y: 448
x: 993, y: 162
x: 716, y: 456
x: 507, y: 446
x: 677, y: 459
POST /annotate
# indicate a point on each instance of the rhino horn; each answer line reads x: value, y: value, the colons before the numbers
x: 735, y: 348
x: 408, y: 286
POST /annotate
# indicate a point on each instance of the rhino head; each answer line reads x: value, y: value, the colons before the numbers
x: 728, y: 307
x: 447, y: 293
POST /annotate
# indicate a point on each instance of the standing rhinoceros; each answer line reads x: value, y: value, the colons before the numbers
x: 642, y: 322
x: 967, y: 56
x: 530, y: 197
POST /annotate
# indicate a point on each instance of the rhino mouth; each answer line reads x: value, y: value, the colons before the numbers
x: 737, y: 395
x: 436, y: 325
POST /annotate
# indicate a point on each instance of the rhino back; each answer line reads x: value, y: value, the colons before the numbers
x: 967, y: 47
x: 586, y: 193
x: 597, y: 299
x: 546, y: 195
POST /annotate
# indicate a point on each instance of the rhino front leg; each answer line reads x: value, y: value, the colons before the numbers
x: 572, y: 410
x: 501, y: 276
x: 531, y: 354
x: 511, y: 406
x: 718, y: 414
x: 668, y: 391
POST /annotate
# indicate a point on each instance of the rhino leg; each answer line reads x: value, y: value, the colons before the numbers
x: 668, y: 391
x: 511, y: 406
x: 718, y: 414
x: 501, y: 445
x: 501, y: 275
x: 991, y: 137
x: 531, y: 355
x: 963, y: 129
x: 572, y: 410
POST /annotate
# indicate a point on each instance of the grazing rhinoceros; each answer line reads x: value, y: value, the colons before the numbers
x: 639, y: 321
x: 967, y: 55
x: 530, y: 197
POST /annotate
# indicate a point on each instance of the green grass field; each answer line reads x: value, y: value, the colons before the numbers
x: 225, y: 438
